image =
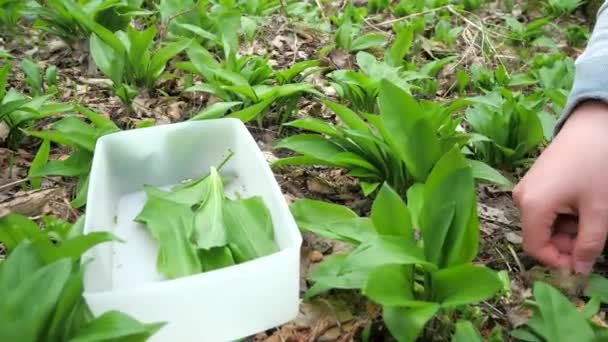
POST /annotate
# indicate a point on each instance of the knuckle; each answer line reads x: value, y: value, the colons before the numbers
x: 588, y: 248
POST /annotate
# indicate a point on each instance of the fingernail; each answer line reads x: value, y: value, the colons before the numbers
x: 583, y: 267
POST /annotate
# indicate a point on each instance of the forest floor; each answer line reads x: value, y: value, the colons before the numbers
x: 337, y: 316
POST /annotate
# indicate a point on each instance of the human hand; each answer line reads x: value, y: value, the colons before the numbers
x: 563, y: 199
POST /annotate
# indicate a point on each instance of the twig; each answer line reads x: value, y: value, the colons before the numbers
x: 284, y: 9
x: 432, y: 10
x: 321, y: 9
x: 519, y: 265
x: 368, y: 22
x: 12, y: 184
x: 165, y: 27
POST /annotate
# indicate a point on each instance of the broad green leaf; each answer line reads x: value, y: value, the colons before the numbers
x: 401, y: 46
x: 139, y: 44
x: 25, y: 316
x: 4, y: 73
x: 525, y: 335
x: 106, y: 59
x: 391, y: 285
x: 77, y: 164
x: 466, y: 332
x: 171, y: 225
x: 209, y: 230
x: 72, y: 248
x: 405, y: 323
x: 32, y: 76
x: 331, y: 221
x: 252, y: 112
x: 485, y: 172
x: 82, y: 189
x: 216, y: 110
x: 314, y: 125
x: 198, y: 31
x: 385, y: 250
x: 249, y: 229
x: 368, y: 41
x: 350, y: 118
x: 597, y: 287
x: 410, y: 132
x: 562, y: 320
x: 69, y: 301
x: 310, y: 212
x: 453, y: 286
x: 591, y: 308
x: 390, y: 214
x: 15, y: 228
x: 41, y: 158
x: 9, y: 107
x: 116, y: 326
x: 216, y: 258
x: 162, y: 56
x: 311, y: 145
x: 103, y: 123
x: 328, y: 275
x: 448, y: 220
x: 415, y: 202
x: 21, y: 263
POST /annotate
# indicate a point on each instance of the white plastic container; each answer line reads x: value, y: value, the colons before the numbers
x: 222, y: 305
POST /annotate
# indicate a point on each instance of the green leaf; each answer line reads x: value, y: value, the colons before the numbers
x: 597, y: 287
x: 216, y: 110
x: 106, y: 59
x: 314, y: 125
x: 448, y: 220
x: 415, y: 202
x: 209, y: 230
x: 15, y: 228
x: 162, y: 56
x: 328, y: 275
x: 368, y: 41
x: 216, y: 258
x: 41, y: 158
x: 4, y: 74
x: 401, y: 46
x: 391, y: 285
x: 466, y: 332
x: 562, y: 320
x: 249, y: 229
x: 253, y: 111
x: 171, y: 224
x: 116, y: 326
x: 351, y: 119
x: 331, y: 221
x: 32, y: 76
x: 487, y: 173
x: 453, y: 286
x: 406, y: 324
x: 77, y: 164
x: 385, y: 250
x: 390, y: 214
x: 411, y: 133
x: 591, y: 308
x: 73, y: 248
x: 24, y: 315
x: 311, y: 145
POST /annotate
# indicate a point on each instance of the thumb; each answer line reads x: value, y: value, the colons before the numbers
x: 591, y: 238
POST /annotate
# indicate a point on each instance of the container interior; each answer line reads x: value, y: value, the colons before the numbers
x: 160, y: 156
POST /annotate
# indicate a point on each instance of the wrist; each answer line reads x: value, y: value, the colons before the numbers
x: 589, y: 113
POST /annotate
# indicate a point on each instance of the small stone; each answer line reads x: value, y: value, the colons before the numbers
x: 315, y: 256
x: 514, y: 238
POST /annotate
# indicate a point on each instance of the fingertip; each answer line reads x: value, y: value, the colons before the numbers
x: 552, y: 257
